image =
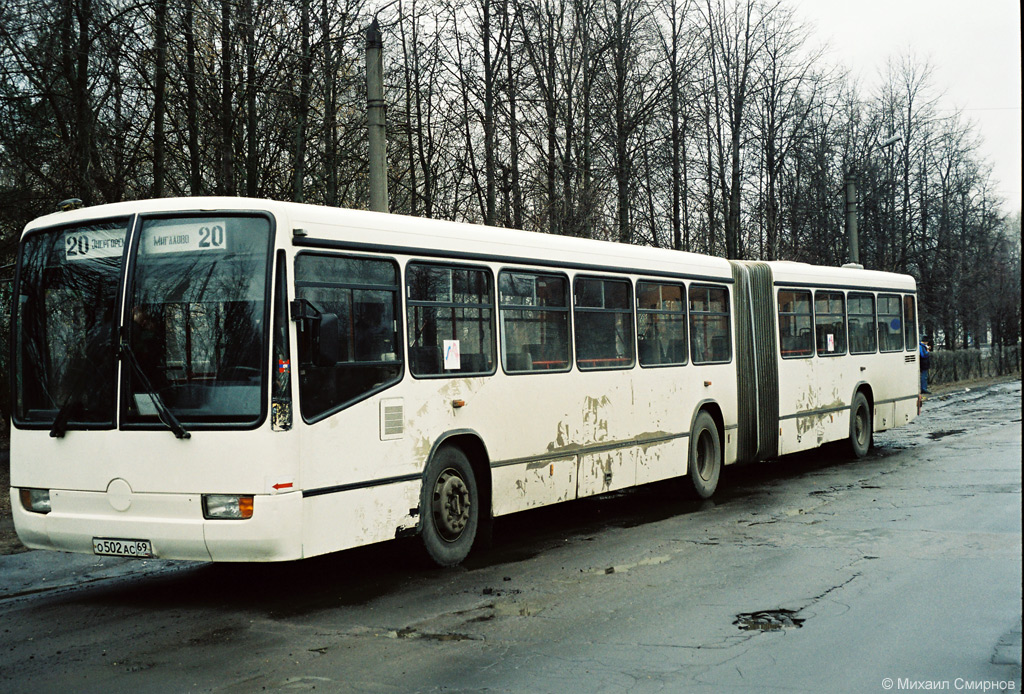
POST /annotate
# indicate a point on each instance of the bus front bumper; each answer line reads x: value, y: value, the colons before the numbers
x: 172, y: 524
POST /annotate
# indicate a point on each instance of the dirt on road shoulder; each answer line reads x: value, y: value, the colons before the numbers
x: 9, y: 543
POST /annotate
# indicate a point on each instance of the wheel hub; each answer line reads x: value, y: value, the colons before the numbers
x: 705, y: 452
x: 451, y: 505
x: 861, y: 426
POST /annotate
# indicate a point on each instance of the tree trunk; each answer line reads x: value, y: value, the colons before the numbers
x: 513, y: 130
x: 251, y: 129
x: 489, y: 143
x: 192, y: 103
x: 159, y: 95
x: 226, y: 184
x: 83, y: 112
x: 302, y: 117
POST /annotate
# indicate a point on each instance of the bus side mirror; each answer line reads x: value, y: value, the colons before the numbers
x: 323, y: 330
x: 326, y: 340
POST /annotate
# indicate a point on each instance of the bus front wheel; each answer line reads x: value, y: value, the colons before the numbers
x: 860, y: 426
x: 705, y: 465
x: 450, y: 507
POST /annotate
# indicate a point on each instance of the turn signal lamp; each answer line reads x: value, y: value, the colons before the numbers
x: 35, y: 500
x: 227, y: 507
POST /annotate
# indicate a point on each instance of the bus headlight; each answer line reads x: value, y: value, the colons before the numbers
x: 227, y: 506
x: 35, y: 500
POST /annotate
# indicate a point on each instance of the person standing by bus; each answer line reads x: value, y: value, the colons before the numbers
x: 924, y: 350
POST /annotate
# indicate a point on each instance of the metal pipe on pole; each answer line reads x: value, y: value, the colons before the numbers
x: 375, y: 119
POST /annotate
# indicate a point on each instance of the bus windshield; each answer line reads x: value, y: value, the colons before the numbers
x: 194, y: 329
x: 196, y: 321
x: 65, y: 317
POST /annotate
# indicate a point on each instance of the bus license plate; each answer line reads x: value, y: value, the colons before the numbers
x: 121, y: 548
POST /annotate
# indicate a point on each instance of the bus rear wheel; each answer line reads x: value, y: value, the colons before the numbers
x: 450, y: 507
x: 705, y: 465
x: 860, y: 426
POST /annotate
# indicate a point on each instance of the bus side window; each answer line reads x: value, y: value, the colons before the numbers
x: 661, y: 323
x: 863, y: 328
x: 830, y: 323
x: 710, y: 341
x: 603, y: 317
x: 909, y: 323
x: 363, y: 294
x: 534, y: 321
x: 450, y: 319
x: 890, y: 323
x: 795, y: 339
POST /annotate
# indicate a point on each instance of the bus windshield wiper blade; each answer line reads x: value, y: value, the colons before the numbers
x: 60, y: 422
x: 164, y: 412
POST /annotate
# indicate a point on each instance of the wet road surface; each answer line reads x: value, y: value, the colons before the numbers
x: 814, y: 573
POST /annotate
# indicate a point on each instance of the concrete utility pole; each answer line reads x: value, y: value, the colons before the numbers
x: 851, y: 201
x: 375, y: 119
x: 851, y: 218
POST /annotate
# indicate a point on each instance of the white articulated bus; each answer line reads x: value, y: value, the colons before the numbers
x: 243, y: 380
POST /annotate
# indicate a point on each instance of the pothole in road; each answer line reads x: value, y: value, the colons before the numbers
x: 936, y: 435
x: 768, y: 620
x: 413, y: 633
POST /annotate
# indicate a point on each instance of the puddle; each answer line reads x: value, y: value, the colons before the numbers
x: 936, y: 435
x: 768, y: 620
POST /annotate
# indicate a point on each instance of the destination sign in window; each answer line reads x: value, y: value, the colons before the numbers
x: 90, y: 244
x: 186, y: 237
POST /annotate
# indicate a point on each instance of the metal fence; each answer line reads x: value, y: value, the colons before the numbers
x: 965, y: 364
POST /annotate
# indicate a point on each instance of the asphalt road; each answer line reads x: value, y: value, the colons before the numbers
x: 813, y: 573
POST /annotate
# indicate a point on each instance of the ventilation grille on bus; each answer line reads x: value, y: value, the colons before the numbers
x: 392, y: 419
x: 910, y: 358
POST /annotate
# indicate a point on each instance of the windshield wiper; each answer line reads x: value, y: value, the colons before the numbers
x: 60, y: 422
x: 163, y: 412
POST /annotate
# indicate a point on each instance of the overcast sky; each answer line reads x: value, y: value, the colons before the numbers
x: 973, y: 46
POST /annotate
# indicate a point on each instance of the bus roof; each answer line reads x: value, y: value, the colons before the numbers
x: 400, y: 234
x: 802, y: 274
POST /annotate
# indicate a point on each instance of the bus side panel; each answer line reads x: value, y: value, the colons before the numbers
x: 885, y: 415
x: 607, y: 471
x: 814, y: 401
x: 274, y: 533
x: 347, y: 473
x: 895, y: 380
x: 906, y: 411
x: 342, y: 520
x: 531, y: 485
x: 661, y: 461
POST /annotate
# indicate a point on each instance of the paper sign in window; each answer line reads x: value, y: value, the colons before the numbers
x: 452, y: 356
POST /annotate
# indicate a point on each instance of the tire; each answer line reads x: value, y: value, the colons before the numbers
x: 449, y: 507
x: 861, y: 426
x: 705, y: 464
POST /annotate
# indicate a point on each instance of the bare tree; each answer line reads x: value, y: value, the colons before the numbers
x: 682, y: 56
x: 791, y: 84
x: 736, y: 36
